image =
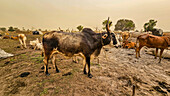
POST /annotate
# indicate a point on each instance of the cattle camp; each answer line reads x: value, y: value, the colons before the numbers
x: 87, y: 48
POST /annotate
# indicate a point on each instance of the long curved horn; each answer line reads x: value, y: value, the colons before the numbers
x: 107, y: 26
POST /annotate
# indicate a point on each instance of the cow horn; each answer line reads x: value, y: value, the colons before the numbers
x: 107, y: 26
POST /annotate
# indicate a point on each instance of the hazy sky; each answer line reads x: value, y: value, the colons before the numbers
x: 51, y: 14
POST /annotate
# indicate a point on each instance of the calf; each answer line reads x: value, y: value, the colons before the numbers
x: 85, y: 43
x: 36, y: 44
x: 129, y: 45
x: 152, y: 41
x: 125, y: 36
x: 22, y: 39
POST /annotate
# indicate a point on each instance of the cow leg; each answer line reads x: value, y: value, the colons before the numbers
x: 46, y: 59
x: 35, y: 47
x: 74, y: 59
x: 21, y: 43
x: 88, y: 63
x: 156, y: 53
x: 54, y: 63
x: 84, y: 65
x: 160, y: 55
x: 138, y: 51
x: 24, y: 44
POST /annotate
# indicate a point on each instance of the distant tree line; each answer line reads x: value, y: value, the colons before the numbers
x: 11, y: 29
x: 122, y: 25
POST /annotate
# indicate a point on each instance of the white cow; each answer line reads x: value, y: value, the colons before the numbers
x: 36, y: 44
x: 22, y: 39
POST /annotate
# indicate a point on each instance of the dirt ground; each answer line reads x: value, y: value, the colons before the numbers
x: 117, y: 75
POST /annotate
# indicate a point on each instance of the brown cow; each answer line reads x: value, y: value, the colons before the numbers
x: 152, y: 41
x: 125, y: 35
x: 6, y: 37
x: 129, y: 45
x: 14, y: 38
x: 166, y: 34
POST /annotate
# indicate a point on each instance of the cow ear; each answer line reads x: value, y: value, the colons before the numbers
x: 104, y: 36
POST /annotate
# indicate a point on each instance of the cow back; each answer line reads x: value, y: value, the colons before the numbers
x: 167, y: 39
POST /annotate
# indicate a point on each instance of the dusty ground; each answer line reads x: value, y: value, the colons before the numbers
x: 22, y: 75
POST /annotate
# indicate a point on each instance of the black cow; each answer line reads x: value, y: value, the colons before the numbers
x: 85, y: 43
x: 157, y: 32
x: 35, y: 33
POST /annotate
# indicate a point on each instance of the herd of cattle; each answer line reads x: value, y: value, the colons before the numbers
x: 88, y: 44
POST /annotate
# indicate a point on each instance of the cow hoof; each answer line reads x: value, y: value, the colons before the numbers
x: 47, y: 74
x: 90, y: 75
x: 85, y: 72
x: 42, y: 67
x: 75, y: 61
x: 57, y: 71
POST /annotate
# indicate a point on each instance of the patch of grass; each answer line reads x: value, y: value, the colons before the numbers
x: 57, y: 90
x: 51, y: 80
x: 35, y: 54
x: 38, y: 59
x: 91, y: 63
x: 75, y: 70
x: 94, y: 64
x: 40, y: 84
x: 69, y: 76
x: 45, y: 91
x: 12, y: 59
x: 98, y: 64
x: 23, y: 56
x: 58, y: 60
